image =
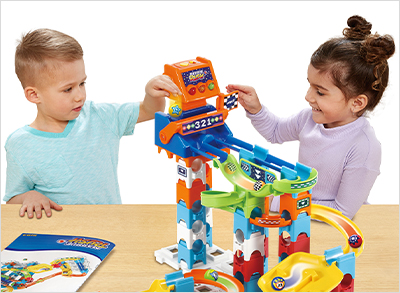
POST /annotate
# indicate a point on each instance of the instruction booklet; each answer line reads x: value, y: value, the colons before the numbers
x: 50, y: 263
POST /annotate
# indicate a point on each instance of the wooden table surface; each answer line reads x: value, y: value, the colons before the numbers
x: 139, y: 230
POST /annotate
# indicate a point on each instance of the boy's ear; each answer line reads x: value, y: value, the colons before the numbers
x: 31, y: 95
x: 359, y: 103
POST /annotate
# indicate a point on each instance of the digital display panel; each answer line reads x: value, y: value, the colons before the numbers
x: 202, y: 123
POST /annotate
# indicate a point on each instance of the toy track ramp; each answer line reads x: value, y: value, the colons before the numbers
x: 301, y: 272
x: 225, y: 282
x: 304, y: 272
x: 335, y: 218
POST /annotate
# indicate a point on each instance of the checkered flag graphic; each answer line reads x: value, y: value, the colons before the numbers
x: 231, y: 101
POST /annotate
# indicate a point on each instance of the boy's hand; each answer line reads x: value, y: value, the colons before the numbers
x: 157, y: 89
x: 247, y: 97
x: 160, y: 87
x: 33, y: 201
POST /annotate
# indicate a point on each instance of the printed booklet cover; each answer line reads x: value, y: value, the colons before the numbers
x: 50, y: 263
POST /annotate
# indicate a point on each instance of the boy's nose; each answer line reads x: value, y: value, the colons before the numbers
x: 81, y: 95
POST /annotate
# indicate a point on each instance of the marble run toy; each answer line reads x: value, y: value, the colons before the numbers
x: 197, y: 280
x: 196, y: 134
x: 16, y: 275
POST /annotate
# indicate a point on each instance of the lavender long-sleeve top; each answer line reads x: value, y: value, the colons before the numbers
x: 347, y: 157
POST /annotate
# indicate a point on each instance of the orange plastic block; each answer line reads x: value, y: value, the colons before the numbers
x: 293, y: 206
x: 189, y: 196
x: 196, y: 80
x: 209, y: 175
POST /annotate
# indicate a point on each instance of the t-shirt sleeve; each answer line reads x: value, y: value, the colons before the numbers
x: 120, y: 118
x: 276, y: 129
x: 17, y: 180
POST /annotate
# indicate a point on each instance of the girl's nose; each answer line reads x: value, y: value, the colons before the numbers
x: 309, y: 96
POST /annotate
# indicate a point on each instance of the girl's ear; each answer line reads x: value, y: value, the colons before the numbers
x: 359, y: 103
x: 31, y: 94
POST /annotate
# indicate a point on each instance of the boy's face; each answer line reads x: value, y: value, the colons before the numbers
x: 328, y: 103
x: 61, y: 92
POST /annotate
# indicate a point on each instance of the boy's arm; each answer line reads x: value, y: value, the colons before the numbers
x: 33, y: 201
x: 157, y: 89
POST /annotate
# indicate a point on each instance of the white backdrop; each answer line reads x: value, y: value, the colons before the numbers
x: 263, y: 44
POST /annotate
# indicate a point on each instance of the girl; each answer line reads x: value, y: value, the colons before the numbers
x: 347, y: 78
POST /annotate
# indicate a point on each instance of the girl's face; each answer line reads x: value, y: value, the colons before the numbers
x: 329, y: 106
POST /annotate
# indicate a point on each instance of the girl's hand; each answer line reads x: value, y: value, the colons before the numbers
x: 247, y: 97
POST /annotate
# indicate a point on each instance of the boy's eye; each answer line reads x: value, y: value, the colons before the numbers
x: 319, y: 93
x: 83, y: 83
x: 68, y: 90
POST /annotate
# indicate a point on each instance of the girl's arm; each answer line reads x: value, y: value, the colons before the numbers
x: 276, y: 129
x: 354, y: 189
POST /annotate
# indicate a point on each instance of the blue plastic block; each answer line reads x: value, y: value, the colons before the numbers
x: 191, y: 256
x: 209, y: 235
x: 185, y: 285
x: 303, y: 171
x: 197, y: 212
x: 260, y: 153
x: 171, y: 278
x: 283, y: 256
x: 288, y: 174
x: 347, y: 264
x: 265, y: 264
x: 193, y: 144
x: 181, y: 283
x: 252, y: 286
x: 240, y: 222
x: 301, y: 225
x: 246, y: 154
x: 332, y: 254
x: 266, y: 232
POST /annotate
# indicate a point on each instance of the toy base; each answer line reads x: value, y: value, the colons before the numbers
x: 217, y: 259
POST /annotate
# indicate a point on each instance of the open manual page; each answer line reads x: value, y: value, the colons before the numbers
x: 50, y: 263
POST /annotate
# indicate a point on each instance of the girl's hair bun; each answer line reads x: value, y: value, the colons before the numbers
x: 358, y: 28
x: 377, y: 49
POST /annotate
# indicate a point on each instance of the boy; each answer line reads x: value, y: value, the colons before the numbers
x: 69, y: 154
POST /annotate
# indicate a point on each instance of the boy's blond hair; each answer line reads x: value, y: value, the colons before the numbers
x: 37, y: 48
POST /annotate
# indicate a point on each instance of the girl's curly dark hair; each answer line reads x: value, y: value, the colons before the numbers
x: 357, y: 61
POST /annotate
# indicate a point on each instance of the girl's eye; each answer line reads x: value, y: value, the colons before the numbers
x: 319, y: 93
x: 68, y: 90
x: 83, y: 83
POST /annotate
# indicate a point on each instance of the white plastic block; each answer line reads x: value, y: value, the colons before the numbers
x: 248, y: 246
x: 198, y: 231
x: 217, y: 259
x: 188, y: 175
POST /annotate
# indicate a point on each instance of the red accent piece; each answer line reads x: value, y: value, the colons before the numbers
x: 248, y: 268
x: 192, y: 91
x: 302, y: 244
x: 266, y: 253
x: 346, y: 285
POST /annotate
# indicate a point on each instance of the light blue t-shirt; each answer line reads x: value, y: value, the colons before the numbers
x: 77, y: 166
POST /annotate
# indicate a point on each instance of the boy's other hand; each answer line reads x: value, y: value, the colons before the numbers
x: 33, y: 202
x: 247, y: 97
